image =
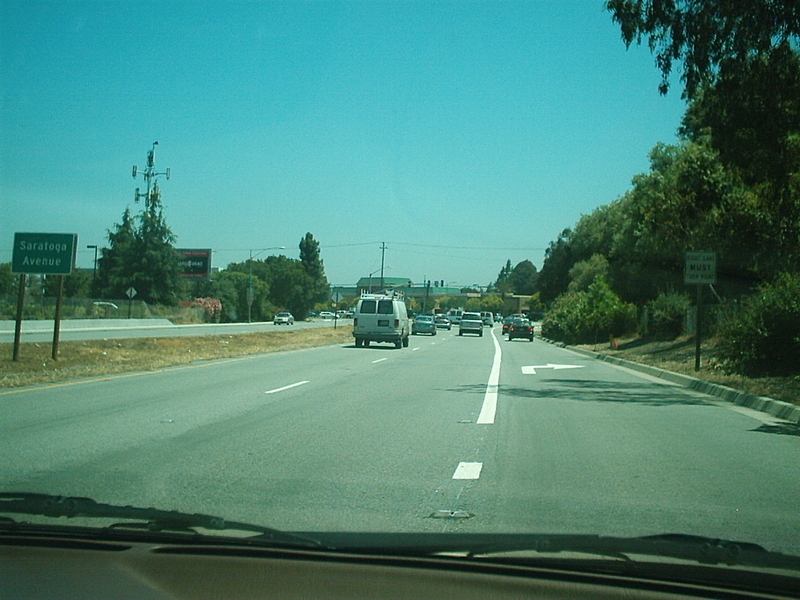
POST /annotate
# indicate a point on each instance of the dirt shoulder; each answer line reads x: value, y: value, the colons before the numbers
x: 105, y: 357
x: 678, y: 356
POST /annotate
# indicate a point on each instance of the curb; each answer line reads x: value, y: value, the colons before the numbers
x: 776, y: 408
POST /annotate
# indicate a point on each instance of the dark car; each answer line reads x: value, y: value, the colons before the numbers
x: 423, y: 324
x: 520, y: 328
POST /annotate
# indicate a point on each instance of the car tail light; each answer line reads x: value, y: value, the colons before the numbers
x: 355, y: 321
x: 397, y: 322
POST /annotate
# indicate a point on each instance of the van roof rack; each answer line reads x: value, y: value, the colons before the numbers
x: 393, y: 294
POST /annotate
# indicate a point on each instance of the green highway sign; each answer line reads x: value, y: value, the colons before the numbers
x: 44, y: 253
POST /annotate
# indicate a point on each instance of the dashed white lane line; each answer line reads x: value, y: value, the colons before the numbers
x: 286, y: 387
x: 468, y: 470
x: 379, y: 360
x: 489, y: 408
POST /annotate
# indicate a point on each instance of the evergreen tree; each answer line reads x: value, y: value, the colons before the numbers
x: 314, y: 268
x: 140, y: 255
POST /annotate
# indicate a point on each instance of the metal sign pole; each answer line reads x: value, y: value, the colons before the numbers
x: 57, y: 320
x: 698, y: 327
x: 18, y: 326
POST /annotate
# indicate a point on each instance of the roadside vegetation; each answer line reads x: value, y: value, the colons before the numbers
x: 78, y: 359
x: 730, y: 185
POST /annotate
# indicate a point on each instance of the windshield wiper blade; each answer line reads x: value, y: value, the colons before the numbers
x: 149, y: 519
x: 703, y: 550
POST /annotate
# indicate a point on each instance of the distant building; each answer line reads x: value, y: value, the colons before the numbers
x: 373, y: 284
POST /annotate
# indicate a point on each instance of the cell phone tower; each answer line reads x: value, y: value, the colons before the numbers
x: 152, y: 196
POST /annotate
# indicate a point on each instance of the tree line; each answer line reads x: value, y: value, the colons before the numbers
x: 731, y: 184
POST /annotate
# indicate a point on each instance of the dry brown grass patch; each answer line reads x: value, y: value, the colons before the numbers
x: 79, y: 359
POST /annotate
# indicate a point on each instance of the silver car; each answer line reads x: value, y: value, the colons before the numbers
x: 283, y: 318
x: 471, y: 322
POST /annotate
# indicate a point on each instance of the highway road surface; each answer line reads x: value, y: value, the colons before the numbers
x: 450, y: 434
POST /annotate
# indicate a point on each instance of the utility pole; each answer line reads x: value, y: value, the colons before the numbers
x: 383, y: 255
x: 152, y: 196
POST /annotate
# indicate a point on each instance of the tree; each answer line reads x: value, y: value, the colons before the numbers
x: 290, y: 285
x: 523, y: 278
x: 558, y: 260
x: 752, y: 115
x: 584, y: 273
x: 503, y: 283
x: 704, y: 36
x: 76, y: 285
x: 315, y: 269
x: 7, y: 279
x: 141, y: 255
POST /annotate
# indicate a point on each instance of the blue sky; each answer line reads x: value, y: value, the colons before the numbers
x: 461, y: 134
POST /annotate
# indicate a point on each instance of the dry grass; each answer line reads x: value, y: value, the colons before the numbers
x: 678, y: 356
x: 104, y: 357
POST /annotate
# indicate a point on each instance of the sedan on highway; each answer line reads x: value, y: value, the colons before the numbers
x: 423, y: 324
x: 520, y: 328
x: 443, y: 322
x: 283, y: 318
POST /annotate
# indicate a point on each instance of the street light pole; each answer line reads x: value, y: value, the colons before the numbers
x: 94, y: 268
x: 250, y: 279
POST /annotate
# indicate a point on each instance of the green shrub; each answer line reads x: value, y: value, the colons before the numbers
x: 764, y: 338
x: 589, y: 316
x: 665, y: 315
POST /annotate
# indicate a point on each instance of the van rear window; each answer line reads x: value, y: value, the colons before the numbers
x: 368, y: 307
x: 385, y: 307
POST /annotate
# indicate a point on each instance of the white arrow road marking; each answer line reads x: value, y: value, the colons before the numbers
x: 286, y: 387
x: 468, y: 470
x: 532, y: 369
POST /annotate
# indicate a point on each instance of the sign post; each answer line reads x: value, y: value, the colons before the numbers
x: 130, y: 293
x: 700, y: 269
x: 43, y: 254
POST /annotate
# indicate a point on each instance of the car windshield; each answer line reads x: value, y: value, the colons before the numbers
x: 175, y: 177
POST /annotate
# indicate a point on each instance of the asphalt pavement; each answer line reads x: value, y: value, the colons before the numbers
x: 451, y: 434
x: 98, y: 329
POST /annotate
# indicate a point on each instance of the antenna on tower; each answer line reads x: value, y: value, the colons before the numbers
x: 152, y: 195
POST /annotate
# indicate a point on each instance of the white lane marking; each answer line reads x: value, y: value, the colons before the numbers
x: 379, y: 360
x: 468, y: 470
x: 286, y: 387
x: 489, y: 408
x: 531, y: 370
x: 414, y: 349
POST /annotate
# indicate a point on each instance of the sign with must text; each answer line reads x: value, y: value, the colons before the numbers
x: 700, y: 268
x: 44, y: 253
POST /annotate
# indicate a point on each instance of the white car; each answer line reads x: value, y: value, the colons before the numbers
x: 283, y: 318
x: 326, y: 315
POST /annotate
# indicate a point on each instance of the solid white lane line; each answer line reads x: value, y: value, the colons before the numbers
x: 489, y: 407
x: 286, y: 387
x: 468, y: 470
x: 379, y: 360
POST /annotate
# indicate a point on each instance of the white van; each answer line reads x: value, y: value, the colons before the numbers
x: 454, y: 314
x: 381, y: 318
